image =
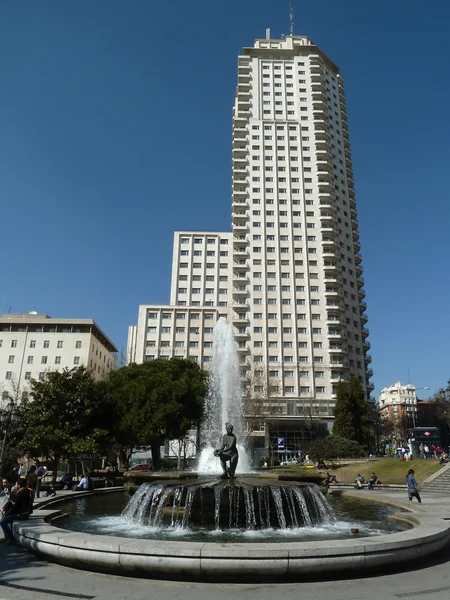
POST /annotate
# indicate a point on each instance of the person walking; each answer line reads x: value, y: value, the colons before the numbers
x: 40, y: 474
x: 412, y: 486
x: 31, y: 480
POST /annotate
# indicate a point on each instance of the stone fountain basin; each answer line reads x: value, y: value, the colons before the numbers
x: 233, y: 562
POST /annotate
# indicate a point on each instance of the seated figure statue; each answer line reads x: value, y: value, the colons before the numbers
x: 228, y: 452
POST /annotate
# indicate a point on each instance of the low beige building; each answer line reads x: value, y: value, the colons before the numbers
x: 33, y: 344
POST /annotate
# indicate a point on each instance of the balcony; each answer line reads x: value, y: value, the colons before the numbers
x: 362, y: 305
x: 318, y: 95
x: 240, y: 253
x: 240, y: 228
x: 240, y: 242
x: 328, y: 218
x: 363, y: 317
x: 338, y: 362
x: 315, y: 68
x: 335, y: 334
x: 334, y: 307
x: 322, y: 154
x: 243, y: 77
x: 355, y: 235
x: 334, y: 321
x: 348, y: 163
x: 360, y: 282
x: 239, y: 218
x: 367, y: 359
x: 329, y: 245
x: 334, y: 293
x: 240, y: 280
x: 355, y: 223
x: 325, y: 175
x: 239, y: 150
x: 240, y: 191
x: 361, y: 293
x: 239, y: 164
x: 331, y: 277
x: 359, y: 270
x: 356, y: 245
x: 353, y: 213
x: 365, y: 332
x: 241, y: 320
x: 241, y: 304
x: 369, y: 373
x: 241, y: 335
x: 328, y: 229
x: 240, y: 291
x: 240, y: 266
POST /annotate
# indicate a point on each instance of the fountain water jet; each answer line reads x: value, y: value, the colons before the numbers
x: 224, y: 402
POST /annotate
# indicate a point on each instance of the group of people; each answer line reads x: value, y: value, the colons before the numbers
x: 17, y: 494
x: 360, y: 481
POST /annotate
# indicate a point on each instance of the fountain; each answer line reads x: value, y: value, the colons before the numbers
x: 210, y: 527
x: 224, y: 403
x: 225, y: 495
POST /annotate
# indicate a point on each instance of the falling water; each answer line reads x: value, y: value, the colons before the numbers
x: 236, y: 507
x: 224, y: 402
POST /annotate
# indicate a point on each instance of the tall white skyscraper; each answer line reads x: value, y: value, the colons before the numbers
x: 289, y: 276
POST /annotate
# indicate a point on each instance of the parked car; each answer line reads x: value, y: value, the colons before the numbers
x: 141, y: 468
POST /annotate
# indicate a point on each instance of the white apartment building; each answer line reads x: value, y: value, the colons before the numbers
x: 398, y: 404
x: 289, y: 275
x: 33, y: 344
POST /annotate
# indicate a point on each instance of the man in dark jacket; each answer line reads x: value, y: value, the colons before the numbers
x: 20, y: 509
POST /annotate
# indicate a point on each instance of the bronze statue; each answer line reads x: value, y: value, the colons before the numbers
x: 228, y: 452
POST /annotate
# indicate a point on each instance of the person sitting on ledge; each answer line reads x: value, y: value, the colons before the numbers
x: 359, y: 481
x: 372, y: 481
x: 85, y: 485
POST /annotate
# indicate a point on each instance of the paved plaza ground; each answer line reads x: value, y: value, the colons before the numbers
x: 24, y: 577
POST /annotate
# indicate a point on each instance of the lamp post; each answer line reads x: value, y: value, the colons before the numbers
x: 8, y: 416
x: 427, y: 387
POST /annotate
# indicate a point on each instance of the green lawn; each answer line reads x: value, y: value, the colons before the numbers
x: 388, y: 470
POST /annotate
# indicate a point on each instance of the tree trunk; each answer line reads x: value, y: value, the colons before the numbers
x: 156, y: 454
x: 56, y: 461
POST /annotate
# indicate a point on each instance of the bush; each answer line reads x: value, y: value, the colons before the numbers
x: 331, y: 447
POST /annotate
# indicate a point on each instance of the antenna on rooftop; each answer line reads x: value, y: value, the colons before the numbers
x: 291, y: 19
x: 268, y: 33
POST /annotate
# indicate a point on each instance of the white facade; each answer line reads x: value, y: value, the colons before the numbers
x: 32, y: 344
x: 397, y: 401
x: 291, y: 281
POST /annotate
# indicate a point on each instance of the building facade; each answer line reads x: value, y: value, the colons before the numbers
x: 33, y: 344
x: 289, y: 275
x: 398, y: 405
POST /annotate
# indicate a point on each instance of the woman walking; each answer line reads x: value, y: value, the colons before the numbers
x: 412, y: 486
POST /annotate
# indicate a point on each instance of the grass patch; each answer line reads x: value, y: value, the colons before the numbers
x: 389, y: 470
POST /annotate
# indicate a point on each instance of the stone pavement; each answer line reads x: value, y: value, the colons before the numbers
x: 24, y: 577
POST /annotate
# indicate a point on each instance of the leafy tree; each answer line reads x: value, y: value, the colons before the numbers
x: 56, y: 419
x: 154, y: 401
x: 330, y: 447
x: 351, y: 412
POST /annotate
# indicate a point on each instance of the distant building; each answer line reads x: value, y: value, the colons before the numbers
x: 33, y: 344
x: 398, y: 404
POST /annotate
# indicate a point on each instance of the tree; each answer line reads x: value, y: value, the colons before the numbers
x: 154, y: 401
x: 331, y: 447
x: 57, y: 418
x: 351, y: 412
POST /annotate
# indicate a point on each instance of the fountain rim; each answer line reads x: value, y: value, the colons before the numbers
x: 231, y: 561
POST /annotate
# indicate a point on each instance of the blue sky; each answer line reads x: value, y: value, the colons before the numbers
x: 115, y: 130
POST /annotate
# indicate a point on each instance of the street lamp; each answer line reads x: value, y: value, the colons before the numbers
x: 8, y: 416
